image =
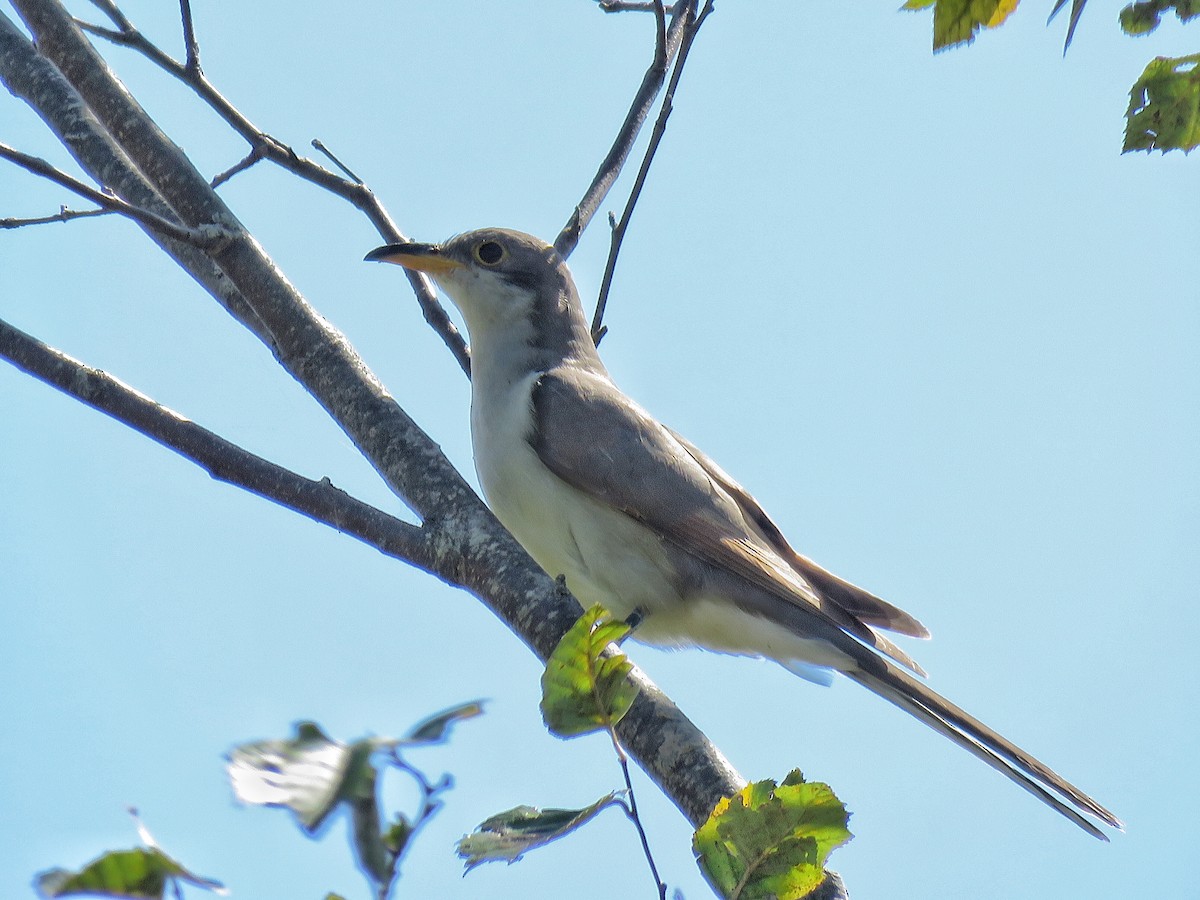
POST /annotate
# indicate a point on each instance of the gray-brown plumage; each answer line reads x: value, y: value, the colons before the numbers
x: 641, y: 521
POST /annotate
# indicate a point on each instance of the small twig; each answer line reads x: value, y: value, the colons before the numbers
x: 63, y: 215
x: 430, y: 803
x: 631, y: 812
x: 38, y: 166
x: 222, y: 459
x: 110, y: 9
x: 255, y: 155
x: 355, y: 192
x: 192, y: 63
x: 117, y: 37
x: 316, y: 142
x: 691, y: 28
x: 666, y: 42
x: 616, y: 6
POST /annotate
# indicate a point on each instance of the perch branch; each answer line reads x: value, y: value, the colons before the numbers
x: 222, y: 459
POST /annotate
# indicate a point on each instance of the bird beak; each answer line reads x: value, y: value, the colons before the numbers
x: 427, y: 258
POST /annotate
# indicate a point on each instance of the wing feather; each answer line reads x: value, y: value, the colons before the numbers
x: 610, y: 448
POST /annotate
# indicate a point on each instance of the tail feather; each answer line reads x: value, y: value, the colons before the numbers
x: 944, y: 717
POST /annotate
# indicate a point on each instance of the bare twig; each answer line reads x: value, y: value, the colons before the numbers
x: 38, y: 166
x: 268, y: 147
x: 430, y: 791
x: 631, y: 812
x: 318, y: 145
x: 616, y: 6
x: 33, y: 78
x: 192, y: 46
x: 255, y: 155
x: 223, y: 460
x: 666, y: 42
x: 63, y: 215
x: 691, y: 28
x: 114, y: 13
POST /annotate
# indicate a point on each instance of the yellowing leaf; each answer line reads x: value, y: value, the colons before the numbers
x: 585, y: 689
x: 771, y: 841
x: 957, y: 21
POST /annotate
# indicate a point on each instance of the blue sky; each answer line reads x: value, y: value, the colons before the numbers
x: 919, y: 304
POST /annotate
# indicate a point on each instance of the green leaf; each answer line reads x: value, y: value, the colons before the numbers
x: 398, y: 833
x: 436, y: 728
x: 1140, y: 18
x: 583, y: 688
x: 144, y: 872
x: 957, y: 21
x: 509, y: 835
x: 1146, y: 15
x: 1164, y: 106
x: 770, y: 841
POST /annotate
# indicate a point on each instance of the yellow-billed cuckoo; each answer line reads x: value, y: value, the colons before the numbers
x: 642, y: 522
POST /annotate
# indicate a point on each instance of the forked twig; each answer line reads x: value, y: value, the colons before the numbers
x: 222, y: 459
x: 63, y: 215
x: 692, y: 23
x: 264, y: 146
x: 38, y: 166
x: 666, y: 42
x: 191, y: 45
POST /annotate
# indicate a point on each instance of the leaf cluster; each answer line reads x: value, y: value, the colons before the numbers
x: 772, y: 841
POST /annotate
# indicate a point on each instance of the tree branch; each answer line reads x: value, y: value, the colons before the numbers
x: 202, y: 238
x: 469, y: 546
x: 263, y: 145
x: 691, y: 27
x: 192, y: 63
x: 63, y: 215
x: 222, y: 459
x: 666, y: 42
x: 34, y: 79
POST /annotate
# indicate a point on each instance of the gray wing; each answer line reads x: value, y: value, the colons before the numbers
x: 610, y: 448
x: 861, y: 604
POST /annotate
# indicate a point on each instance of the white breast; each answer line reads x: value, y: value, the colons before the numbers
x: 607, y: 557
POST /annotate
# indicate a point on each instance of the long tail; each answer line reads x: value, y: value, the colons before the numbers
x: 901, y: 689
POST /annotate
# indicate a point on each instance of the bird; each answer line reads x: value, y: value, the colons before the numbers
x: 639, y: 520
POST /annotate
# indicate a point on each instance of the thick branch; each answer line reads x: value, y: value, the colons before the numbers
x: 469, y: 546
x: 223, y: 460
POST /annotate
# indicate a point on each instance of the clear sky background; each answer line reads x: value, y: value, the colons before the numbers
x: 919, y: 304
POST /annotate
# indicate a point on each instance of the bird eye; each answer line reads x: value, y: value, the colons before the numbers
x: 489, y: 253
